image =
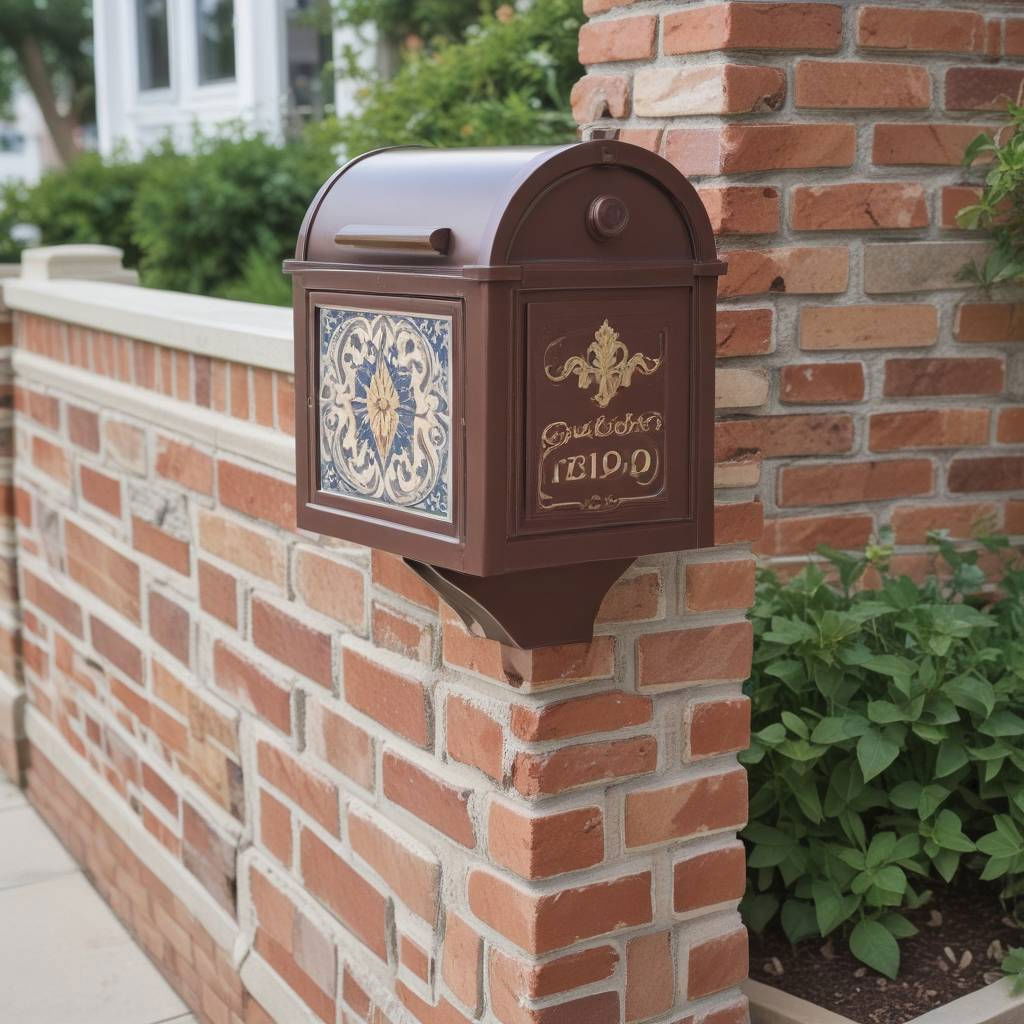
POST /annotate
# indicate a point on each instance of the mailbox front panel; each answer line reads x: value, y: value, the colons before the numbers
x: 384, y: 397
x: 607, y: 433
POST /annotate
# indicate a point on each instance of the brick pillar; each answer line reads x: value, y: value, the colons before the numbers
x: 826, y: 140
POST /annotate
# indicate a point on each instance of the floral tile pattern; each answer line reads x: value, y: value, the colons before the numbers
x: 385, y: 408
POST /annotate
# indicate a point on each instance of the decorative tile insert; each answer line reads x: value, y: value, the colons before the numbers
x: 385, y: 407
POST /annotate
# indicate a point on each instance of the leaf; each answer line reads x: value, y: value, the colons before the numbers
x: 772, y: 734
x: 838, y: 729
x: 883, y: 712
x: 906, y: 795
x: 831, y: 907
x: 880, y: 849
x: 873, y: 944
x: 948, y: 833
x: 798, y: 920
x: 951, y: 758
x: 758, y: 910
x: 897, y: 925
x: 795, y: 724
x: 875, y: 753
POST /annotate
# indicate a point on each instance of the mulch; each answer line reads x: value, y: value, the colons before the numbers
x: 962, y: 935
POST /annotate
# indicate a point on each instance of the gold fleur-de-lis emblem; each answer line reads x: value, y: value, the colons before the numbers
x: 607, y: 363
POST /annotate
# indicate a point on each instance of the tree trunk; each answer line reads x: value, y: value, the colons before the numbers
x: 61, y: 128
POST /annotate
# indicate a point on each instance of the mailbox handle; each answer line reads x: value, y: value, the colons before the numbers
x: 402, y: 238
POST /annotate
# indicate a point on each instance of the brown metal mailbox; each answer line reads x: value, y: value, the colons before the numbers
x: 504, y: 372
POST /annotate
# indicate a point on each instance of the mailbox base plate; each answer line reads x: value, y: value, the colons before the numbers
x: 532, y: 608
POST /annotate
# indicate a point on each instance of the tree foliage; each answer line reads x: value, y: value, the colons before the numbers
x: 888, y: 746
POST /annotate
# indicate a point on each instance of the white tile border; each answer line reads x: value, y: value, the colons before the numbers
x: 243, y: 332
x: 227, y: 434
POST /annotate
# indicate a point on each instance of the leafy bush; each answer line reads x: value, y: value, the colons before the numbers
x: 888, y: 749
x: 1000, y: 209
x: 507, y: 83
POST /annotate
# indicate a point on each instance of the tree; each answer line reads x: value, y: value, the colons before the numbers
x: 48, y: 45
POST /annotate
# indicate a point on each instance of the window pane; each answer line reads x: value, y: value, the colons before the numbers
x: 154, y: 58
x: 215, y: 21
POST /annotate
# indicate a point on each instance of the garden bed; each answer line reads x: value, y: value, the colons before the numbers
x: 962, y: 936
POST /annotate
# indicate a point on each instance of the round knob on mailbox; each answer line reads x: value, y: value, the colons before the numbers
x: 607, y: 217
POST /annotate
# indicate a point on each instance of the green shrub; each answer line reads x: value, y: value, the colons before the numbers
x: 888, y: 747
x: 1000, y: 208
x: 506, y: 83
x: 203, y: 220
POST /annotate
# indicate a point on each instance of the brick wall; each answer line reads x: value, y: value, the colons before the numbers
x: 357, y: 812
x: 826, y: 139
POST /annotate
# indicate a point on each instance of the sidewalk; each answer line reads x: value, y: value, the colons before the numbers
x: 64, y: 957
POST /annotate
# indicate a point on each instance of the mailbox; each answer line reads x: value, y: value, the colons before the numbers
x: 504, y: 372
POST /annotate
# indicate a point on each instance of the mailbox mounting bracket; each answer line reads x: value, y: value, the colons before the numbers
x: 531, y: 608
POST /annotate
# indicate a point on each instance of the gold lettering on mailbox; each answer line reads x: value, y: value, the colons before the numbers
x: 607, y: 364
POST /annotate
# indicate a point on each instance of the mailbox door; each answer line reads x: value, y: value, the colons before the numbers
x: 608, y: 437
x: 384, y: 411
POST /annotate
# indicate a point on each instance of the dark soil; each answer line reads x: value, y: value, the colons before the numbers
x: 962, y: 934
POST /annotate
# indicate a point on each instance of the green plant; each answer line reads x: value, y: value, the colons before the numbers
x: 1000, y: 207
x: 506, y: 83
x: 888, y: 746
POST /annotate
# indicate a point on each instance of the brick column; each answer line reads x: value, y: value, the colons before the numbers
x: 826, y: 140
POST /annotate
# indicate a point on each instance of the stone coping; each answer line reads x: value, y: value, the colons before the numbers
x: 242, y: 332
x: 993, y: 1004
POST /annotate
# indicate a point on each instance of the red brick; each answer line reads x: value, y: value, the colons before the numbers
x: 125, y: 444
x: 990, y: 322
x: 414, y: 875
x: 52, y: 602
x: 597, y: 96
x: 356, y: 903
x: 434, y: 801
x: 276, y: 828
x: 330, y: 587
x: 292, y: 642
x: 414, y: 958
x: 83, y: 428
x: 738, y: 521
x: 801, y: 535
x: 583, y: 764
x: 159, y: 789
x: 263, y: 396
x: 742, y: 148
x: 399, y: 703
x: 716, y: 964
x: 742, y: 210
x: 797, y: 271
x: 262, y: 555
x: 855, y: 482
x: 311, y: 792
x: 185, y: 464
x: 743, y: 332
x: 912, y: 523
x: 121, y: 653
x: 691, y: 808
x: 940, y: 145
x: 52, y: 460
x: 719, y: 586
x: 695, y: 89
x: 543, y: 922
x: 702, y: 654
x: 404, y: 634
x: 858, y: 206
x: 707, y: 879
x: 100, y: 490
x: 753, y: 26
x: 426, y: 1013
x: 954, y: 198
x: 923, y: 31
x: 622, y: 39
x: 983, y: 88
x: 822, y: 383
x: 170, y: 626
x: 393, y: 574
x: 928, y: 428
x: 44, y: 409
x: 284, y: 400
x: 650, y: 976
x: 539, y: 846
x: 573, y: 970
x: 107, y: 573
x: 462, y: 961
x: 995, y: 473
x: 256, y: 494
x: 777, y: 436
x: 473, y: 737
x: 602, y: 712
x: 868, y: 85
x: 254, y: 690
x: 218, y: 594
x: 1010, y: 426
x: 914, y: 377
x: 342, y: 744
x: 718, y: 726
x: 174, y: 552
x: 635, y: 598
x: 1015, y: 518
x: 828, y: 328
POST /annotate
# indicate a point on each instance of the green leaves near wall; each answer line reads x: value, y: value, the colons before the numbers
x: 888, y: 744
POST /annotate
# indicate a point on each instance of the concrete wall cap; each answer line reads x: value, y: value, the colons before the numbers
x: 82, y: 262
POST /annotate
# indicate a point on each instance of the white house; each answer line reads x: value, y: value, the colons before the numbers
x: 168, y: 66
x: 25, y: 147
